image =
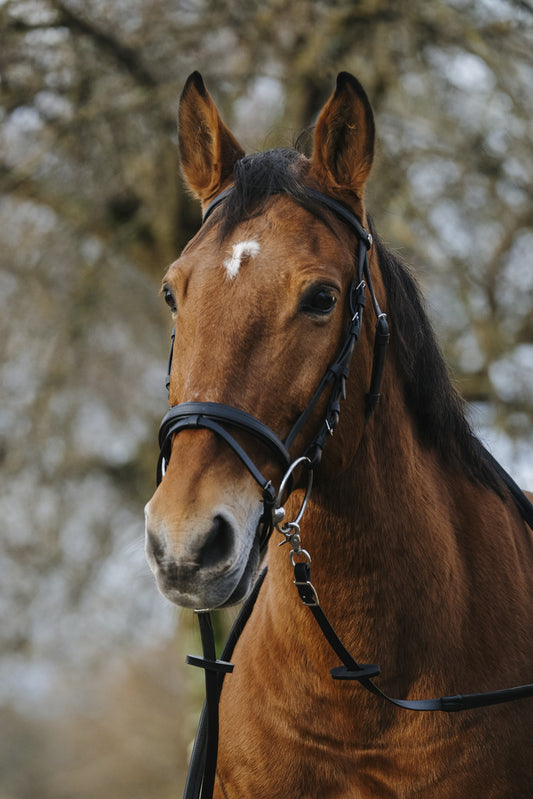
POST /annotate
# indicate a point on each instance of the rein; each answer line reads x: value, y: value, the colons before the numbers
x: 218, y: 417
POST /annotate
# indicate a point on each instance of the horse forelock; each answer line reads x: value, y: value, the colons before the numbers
x: 260, y: 177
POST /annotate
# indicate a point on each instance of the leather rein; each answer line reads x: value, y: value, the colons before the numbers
x: 218, y: 418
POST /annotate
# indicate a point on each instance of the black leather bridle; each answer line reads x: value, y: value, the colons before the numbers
x: 221, y: 419
x: 218, y: 418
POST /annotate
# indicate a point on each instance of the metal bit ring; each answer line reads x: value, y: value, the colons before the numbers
x: 278, y: 507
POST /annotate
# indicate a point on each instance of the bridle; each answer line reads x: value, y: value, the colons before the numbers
x: 218, y: 418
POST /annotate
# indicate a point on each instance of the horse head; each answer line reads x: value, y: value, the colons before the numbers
x: 261, y: 299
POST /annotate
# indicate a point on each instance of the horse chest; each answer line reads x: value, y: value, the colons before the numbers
x: 321, y: 773
x: 268, y: 750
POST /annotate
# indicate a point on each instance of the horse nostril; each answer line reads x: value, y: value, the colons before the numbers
x: 218, y: 544
x: 156, y: 548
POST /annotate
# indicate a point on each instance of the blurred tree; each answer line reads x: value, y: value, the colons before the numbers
x: 91, y: 212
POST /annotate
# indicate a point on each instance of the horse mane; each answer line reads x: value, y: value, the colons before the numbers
x: 436, y: 407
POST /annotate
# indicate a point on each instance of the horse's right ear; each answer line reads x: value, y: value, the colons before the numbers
x: 208, y: 149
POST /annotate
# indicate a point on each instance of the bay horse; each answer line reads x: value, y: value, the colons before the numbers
x: 420, y: 557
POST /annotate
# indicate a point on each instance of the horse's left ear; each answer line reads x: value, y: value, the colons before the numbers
x: 208, y: 149
x: 344, y: 139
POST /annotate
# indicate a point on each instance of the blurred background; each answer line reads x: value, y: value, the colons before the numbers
x: 94, y: 699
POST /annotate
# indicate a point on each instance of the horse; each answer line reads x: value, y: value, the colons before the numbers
x: 420, y: 557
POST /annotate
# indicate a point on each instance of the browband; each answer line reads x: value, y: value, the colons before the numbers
x: 342, y: 212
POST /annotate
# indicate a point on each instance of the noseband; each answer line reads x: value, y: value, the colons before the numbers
x: 218, y: 417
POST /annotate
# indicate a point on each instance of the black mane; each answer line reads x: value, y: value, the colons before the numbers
x: 437, y: 408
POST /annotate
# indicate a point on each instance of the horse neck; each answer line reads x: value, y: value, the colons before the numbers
x: 382, y: 536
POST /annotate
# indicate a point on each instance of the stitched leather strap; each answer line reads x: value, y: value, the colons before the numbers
x: 352, y: 670
x: 202, y: 768
x: 211, y: 415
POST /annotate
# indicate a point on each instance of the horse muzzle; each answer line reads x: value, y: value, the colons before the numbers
x: 207, y: 561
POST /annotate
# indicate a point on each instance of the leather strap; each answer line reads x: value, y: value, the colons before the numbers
x: 215, y: 203
x: 343, y: 213
x: 202, y: 767
x: 209, y: 415
x: 363, y: 672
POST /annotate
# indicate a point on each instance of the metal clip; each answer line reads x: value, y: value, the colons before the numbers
x: 291, y: 531
x: 304, y: 553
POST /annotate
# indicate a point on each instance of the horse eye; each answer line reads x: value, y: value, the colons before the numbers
x: 319, y: 301
x: 169, y: 299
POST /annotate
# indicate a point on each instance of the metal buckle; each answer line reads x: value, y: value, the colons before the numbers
x: 302, y: 572
x: 308, y: 594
